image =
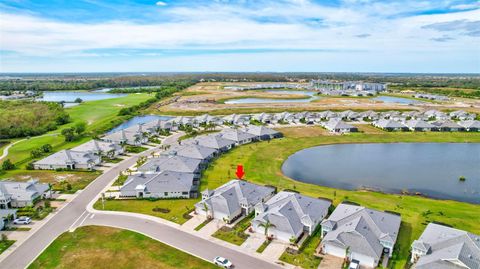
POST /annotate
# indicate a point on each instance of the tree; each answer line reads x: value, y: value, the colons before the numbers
x: 267, y: 225
x: 80, y: 127
x: 8, y: 165
x: 36, y: 153
x: 69, y: 134
x: 78, y: 100
x: 46, y: 148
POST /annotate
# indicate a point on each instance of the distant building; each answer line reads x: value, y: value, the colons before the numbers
x: 68, y: 159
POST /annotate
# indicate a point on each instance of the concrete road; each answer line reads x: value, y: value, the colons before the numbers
x: 179, y: 239
x: 68, y: 216
x: 74, y: 214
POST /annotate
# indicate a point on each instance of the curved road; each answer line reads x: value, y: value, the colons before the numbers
x: 75, y: 214
x: 5, y: 150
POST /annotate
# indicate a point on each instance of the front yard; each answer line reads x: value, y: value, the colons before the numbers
x: 235, y: 235
x: 5, y: 244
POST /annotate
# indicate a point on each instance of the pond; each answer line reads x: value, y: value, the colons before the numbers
x: 138, y: 120
x: 432, y: 169
x: 398, y: 100
x: 312, y: 97
x: 70, y: 96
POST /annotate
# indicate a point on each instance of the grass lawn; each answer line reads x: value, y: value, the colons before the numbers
x: 305, y: 258
x: 5, y: 244
x: 235, y: 235
x: 104, y: 247
x: 178, y: 209
x: 262, y: 162
x: 64, y: 181
x: 201, y: 225
x: 263, y: 246
x: 100, y: 115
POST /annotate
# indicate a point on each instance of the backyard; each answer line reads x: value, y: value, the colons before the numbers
x: 104, y: 247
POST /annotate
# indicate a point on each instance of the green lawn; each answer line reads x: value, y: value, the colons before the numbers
x: 235, y: 235
x: 305, y: 258
x: 5, y: 244
x: 263, y: 246
x: 104, y: 247
x: 262, y: 162
x: 100, y: 116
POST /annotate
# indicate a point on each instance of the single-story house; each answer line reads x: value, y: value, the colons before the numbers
x: 238, y: 136
x: 435, y: 114
x: 339, y: 126
x: 263, y: 117
x: 205, y: 118
x: 390, y: 125
x: 462, y: 115
x: 153, y: 127
x: 359, y: 233
x: 68, y: 159
x: 369, y: 115
x: 283, y: 117
x: 192, y: 151
x: 166, y: 184
x: 290, y: 215
x: 420, y: 125
x: 214, y: 141
x: 262, y: 132
x: 126, y: 137
x: 232, y: 200
x: 21, y: 194
x: 102, y: 148
x: 448, y: 126
x: 7, y: 215
x: 445, y: 248
x: 171, y: 163
x: 471, y: 125
x: 237, y: 119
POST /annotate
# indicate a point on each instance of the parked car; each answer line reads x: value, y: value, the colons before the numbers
x: 22, y: 220
x: 354, y: 264
x: 222, y: 262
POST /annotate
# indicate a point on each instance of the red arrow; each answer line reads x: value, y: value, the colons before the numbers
x: 240, y: 173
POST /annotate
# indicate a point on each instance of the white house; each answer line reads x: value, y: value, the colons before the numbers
x: 68, y: 159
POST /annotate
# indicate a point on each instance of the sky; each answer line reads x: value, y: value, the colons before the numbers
x: 413, y: 36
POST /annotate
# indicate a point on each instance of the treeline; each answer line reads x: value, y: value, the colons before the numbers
x: 166, y: 86
x: 59, y: 84
x: 28, y: 118
x: 163, y: 93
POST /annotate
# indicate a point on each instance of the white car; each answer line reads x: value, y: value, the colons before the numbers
x: 22, y: 220
x: 222, y: 262
x: 354, y: 264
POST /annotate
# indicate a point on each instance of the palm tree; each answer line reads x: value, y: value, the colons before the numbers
x: 137, y: 139
x: 205, y: 207
x: 267, y: 225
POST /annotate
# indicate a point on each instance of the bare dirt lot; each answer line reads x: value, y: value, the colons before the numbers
x: 209, y: 97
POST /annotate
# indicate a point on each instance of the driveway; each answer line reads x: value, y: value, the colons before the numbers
x: 330, y: 262
x: 274, y: 250
x: 253, y: 242
x: 210, y: 228
x: 192, y: 223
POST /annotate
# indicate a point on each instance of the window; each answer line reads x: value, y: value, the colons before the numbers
x: 185, y: 193
x: 165, y: 193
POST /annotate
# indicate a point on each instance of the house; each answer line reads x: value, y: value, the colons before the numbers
x: 166, y: 184
x: 285, y: 117
x: 154, y: 127
x: 448, y: 126
x: 185, y: 121
x: 237, y: 119
x: 462, y: 115
x: 171, y: 163
x: 446, y: 248
x: 232, y: 200
x: 130, y: 137
x: 339, y: 126
x: 359, y: 233
x: 420, y: 125
x: 192, y: 151
x: 208, y: 119
x: 435, y: 114
x: 262, y: 132
x: 390, y: 125
x: 214, y: 141
x: 471, y: 125
x: 6, y: 215
x: 327, y: 115
x: 263, y: 118
x: 68, y: 159
x: 101, y: 148
x: 369, y: 115
x: 21, y: 194
x: 238, y: 136
x: 290, y: 215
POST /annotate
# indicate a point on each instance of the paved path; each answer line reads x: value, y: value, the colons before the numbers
x: 75, y: 214
x: 5, y: 150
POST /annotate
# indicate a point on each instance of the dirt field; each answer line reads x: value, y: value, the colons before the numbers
x: 208, y: 97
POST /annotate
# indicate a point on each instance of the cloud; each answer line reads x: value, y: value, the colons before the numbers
x: 467, y: 27
x: 161, y: 3
x: 442, y: 39
x: 363, y: 35
x: 466, y: 6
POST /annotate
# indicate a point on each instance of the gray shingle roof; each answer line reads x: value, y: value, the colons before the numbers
x: 97, y: 145
x: 69, y: 157
x: 191, y: 151
x: 445, y: 245
x: 22, y: 191
x: 285, y: 210
x: 170, y: 163
x: 336, y: 124
x: 389, y: 123
x: 419, y: 124
x: 213, y: 141
x: 236, y: 135
x: 260, y: 130
x: 362, y: 229
x: 166, y: 181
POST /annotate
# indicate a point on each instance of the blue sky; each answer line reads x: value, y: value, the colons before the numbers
x: 437, y: 36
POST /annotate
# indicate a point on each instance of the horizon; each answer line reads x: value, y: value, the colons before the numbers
x: 288, y: 36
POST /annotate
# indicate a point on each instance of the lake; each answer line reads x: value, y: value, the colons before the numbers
x: 70, y: 96
x: 138, y: 120
x: 272, y: 100
x: 398, y: 100
x: 432, y: 169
